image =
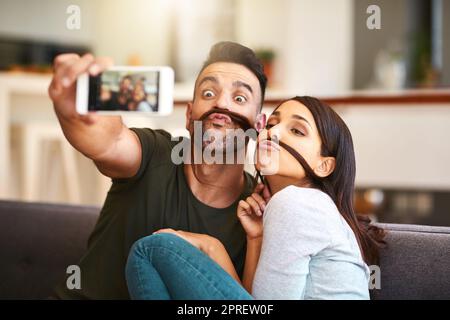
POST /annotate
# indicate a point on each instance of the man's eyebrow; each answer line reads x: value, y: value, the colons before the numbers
x: 295, y: 116
x: 208, y: 78
x: 242, y: 84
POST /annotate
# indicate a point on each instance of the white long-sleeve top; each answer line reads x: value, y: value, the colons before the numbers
x: 308, y: 250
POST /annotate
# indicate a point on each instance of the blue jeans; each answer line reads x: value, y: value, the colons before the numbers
x: 165, y: 266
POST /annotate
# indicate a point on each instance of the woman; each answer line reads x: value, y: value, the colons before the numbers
x: 138, y: 100
x: 303, y: 242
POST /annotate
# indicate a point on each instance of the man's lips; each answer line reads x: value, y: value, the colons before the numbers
x: 268, y: 145
x: 220, y: 119
x: 223, y: 116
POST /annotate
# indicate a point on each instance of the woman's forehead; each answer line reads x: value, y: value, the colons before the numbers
x: 292, y: 107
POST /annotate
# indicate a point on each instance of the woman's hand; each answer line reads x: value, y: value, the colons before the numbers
x: 251, y: 210
x: 203, y: 242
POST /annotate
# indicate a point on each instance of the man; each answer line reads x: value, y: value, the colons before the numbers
x: 123, y: 97
x: 149, y: 191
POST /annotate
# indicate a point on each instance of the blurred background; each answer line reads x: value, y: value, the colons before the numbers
x: 390, y: 84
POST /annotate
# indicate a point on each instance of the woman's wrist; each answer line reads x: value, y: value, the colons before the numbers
x: 255, y: 239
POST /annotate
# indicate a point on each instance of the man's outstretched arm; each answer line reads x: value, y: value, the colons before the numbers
x: 115, y: 149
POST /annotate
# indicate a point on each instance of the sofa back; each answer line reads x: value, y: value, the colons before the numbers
x: 39, y: 241
x: 415, y: 264
x: 37, y: 244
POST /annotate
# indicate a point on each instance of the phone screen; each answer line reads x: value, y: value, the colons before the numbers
x: 124, y: 91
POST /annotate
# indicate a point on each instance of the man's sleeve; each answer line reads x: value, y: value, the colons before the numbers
x: 152, y: 141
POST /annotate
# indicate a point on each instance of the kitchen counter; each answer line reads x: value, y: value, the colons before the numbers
x: 386, y: 125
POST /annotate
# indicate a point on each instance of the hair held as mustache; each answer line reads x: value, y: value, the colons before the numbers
x: 240, y: 120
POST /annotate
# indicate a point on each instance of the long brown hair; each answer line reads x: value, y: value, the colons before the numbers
x: 337, y: 142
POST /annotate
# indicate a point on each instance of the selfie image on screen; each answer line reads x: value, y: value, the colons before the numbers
x: 124, y: 91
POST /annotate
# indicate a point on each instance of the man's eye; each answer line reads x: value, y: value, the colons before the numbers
x: 240, y: 99
x: 208, y: 93
x: 297, y: 132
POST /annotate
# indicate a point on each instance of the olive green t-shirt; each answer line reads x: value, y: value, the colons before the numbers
x: 158, y: 196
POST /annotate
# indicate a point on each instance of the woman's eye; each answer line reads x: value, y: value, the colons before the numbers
x: 297, y: 132
x: 240, y: 99
x: 269, y: 125
x: 208, y: 93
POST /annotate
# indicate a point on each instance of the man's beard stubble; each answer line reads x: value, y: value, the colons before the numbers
x: 220, y: 140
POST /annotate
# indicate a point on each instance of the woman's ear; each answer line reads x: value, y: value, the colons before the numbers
x: 325, y: 167
x: 188, y: 115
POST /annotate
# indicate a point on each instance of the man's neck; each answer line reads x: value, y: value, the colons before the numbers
x: 216, y: 185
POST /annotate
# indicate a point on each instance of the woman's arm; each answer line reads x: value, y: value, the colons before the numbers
x: 217, y: 252
x: 250, y: 214
x: 251, y: 261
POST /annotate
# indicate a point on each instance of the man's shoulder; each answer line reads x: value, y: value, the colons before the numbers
x: 158, y: 136
x: 163, y: 134
x: 152, y: 133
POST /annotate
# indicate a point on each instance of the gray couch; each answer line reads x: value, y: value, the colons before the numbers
x: 38, y: 242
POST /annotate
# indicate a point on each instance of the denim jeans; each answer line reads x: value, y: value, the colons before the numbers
x: 165, y: 266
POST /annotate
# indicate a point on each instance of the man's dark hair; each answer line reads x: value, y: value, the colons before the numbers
x: 227, y: 51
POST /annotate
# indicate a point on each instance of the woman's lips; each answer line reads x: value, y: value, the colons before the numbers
x: 268, y: 145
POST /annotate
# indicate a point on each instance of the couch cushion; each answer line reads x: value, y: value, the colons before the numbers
x: 415, y: 264
x: 37, y: 244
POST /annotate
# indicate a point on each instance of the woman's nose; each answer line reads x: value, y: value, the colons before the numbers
x: 273, y: 134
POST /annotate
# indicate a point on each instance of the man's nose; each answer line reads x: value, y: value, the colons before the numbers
x: 223, y: 101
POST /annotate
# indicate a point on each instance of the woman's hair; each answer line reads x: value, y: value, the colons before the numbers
x: 337, y: 142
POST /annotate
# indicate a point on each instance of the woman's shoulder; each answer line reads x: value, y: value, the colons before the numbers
x: 304, y: 214
x: 300, y: 197
x: 306, y: 206
x: 311, y: 207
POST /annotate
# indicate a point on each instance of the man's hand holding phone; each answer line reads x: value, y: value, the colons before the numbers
x: 62, y: 90
x: 115, y: 149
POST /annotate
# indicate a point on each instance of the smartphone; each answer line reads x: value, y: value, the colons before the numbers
x: 145, y: 90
